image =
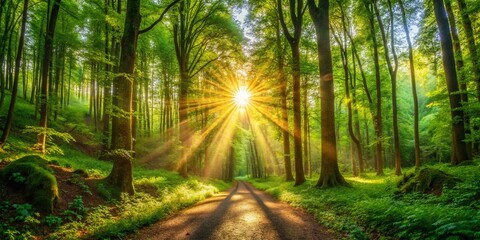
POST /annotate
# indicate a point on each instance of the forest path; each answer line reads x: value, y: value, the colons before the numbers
x: 243, y: 212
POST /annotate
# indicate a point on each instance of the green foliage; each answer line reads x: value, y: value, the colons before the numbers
x: 76, y: 210
x: 52, y: 221
x: 371, y: 206
x: 23, y: 211
x: 51, y: 135
x: 132, y: 212
x: 39, y: 183
x: 76, y: 179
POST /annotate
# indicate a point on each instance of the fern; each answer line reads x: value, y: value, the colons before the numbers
x: 51, y: 135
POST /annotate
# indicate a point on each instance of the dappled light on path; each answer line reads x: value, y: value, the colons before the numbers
x: 245, y: 213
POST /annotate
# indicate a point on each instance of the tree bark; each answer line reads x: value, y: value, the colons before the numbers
x: 121, y: 175
x: 392, y: 69
x: 47, y: 57
x: 330, y: 174
x: 414, y: 87
x: 18, y: 58
x: 378, y: 89
x: 459, y: 149
x: 283, y: 104
x: 296, y: 15
x: 467, y: 25
x: 457, y: 49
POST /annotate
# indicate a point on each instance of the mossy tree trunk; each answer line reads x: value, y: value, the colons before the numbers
x: 121, y: 175
x: 122, y: 144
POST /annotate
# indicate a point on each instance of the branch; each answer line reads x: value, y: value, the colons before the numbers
x: 204, y: 65
x: 282, y: 22
x: 160, y: 18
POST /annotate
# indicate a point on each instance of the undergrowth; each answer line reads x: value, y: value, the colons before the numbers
x: 371, y: 207
x: 159, y: 192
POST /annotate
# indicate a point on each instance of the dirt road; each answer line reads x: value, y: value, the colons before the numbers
x: 241, y: 213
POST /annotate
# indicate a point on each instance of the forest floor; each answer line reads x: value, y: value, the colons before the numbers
x: 242, y: 212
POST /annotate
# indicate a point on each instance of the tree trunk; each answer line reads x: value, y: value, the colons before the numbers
x: 378, y: 84
x: 296, y: 14
x: 460, y: 149
x: 305, y: 127
x: 414, y: 87
x: 283, y: 105
x: 47, y: 57
x: 392, y: 69
x: 121, y: 175
x: 330, y: 174
x: 9, y: 119
x: 467, y: 26
x: 457, y: 48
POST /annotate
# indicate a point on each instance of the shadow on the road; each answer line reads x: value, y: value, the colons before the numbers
x: 205, y: 230
x: 275, y: 219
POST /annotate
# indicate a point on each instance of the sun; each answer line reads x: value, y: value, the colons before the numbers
x: 242, y: 97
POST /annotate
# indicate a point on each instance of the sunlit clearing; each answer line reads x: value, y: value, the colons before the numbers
x: 242, y: 97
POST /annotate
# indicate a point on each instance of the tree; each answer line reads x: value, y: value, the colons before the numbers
x: 346, y: 69
x: 296, y: 15
x: 414, y: 86
x: 467, y: 26
x: 283, y: 103
x: 121, y: 174
x: 330, y: 174
x: 459, y: 149
x: 378, y: 84
x: 18, y: 58
x: 392, y: 69
x: 47, y: 57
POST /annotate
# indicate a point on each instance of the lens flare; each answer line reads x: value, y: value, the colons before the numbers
x: 242, y: 97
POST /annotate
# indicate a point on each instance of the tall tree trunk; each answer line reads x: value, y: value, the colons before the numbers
x: 467, y: 26
x: 283, y: 105
x: 121, y: 175
x: 460, y: 149
x: 47, y: 57
x: 306, y: 158
x: 392, y: 69
x: 457, y: 48
x: 414, y: 87
x: 378, y: 83
x: 18, y: 58
x: 330, y: 174
x: 296, y: 15
x: 355, y: 140
x: 348, y: 79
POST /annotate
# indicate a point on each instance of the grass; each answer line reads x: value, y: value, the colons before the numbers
x: 370, y: 207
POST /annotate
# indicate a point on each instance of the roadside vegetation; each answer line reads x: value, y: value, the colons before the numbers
x: 85, y: 208
x: 374, y: 206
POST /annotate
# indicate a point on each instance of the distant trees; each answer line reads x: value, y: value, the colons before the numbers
x: 159, y: 92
